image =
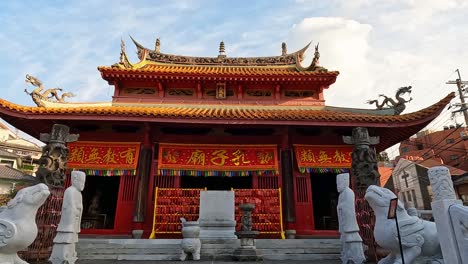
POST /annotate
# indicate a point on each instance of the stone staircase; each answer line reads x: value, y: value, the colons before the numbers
x: 169, y: 249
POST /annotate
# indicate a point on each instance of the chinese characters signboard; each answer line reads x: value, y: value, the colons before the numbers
x: 184, y: 157
x: 103, y: 155
x: 310, y: 156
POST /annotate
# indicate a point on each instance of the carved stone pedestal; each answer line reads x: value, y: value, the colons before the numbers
x: 247, y: 251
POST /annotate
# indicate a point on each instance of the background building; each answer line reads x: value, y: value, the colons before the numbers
x: 427, y: 149
x: 18, y: 152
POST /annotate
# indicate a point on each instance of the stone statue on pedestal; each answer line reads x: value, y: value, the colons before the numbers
x: 247, y: 251
x: 69, y: 226
x: 351, y: 242
x: 418, y: 237
x: 18, y: 227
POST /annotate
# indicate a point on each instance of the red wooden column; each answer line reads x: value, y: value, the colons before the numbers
x: 144, y: 171
x: 287, y: 181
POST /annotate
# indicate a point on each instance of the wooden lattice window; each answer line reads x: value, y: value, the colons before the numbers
x: 180, y: 92
x: 298, y: 94
x: 139, y: 91
x: 258, y: 93
x: 302, y: 195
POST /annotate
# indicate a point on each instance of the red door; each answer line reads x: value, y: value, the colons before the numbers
x: 126, y: 204
x: 303, y: 202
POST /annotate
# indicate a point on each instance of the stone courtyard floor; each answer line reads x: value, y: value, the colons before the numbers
x: 214, y: 262
x: 418, y: 261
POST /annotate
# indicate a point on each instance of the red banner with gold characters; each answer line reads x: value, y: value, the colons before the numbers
x: 317, y: 156
x: 103, y: 155
x: 198, y: 160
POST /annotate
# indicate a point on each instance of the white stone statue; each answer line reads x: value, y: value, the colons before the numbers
x: 69, y: 226
x: 191, y: 243
x: 351, y: 242
x: 418, y: 237
x: 450, y: 216
x: 18, y: 227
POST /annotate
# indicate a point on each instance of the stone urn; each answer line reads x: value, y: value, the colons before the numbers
x: 191, y: 243
x: 247, y: 250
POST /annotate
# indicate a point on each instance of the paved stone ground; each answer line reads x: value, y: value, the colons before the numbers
x: 418, y: 261
x: 421, y: 261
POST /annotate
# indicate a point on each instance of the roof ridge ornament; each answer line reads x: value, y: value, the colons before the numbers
x: 314, y: 65
x: 399, y: 105
x: 40, y: 96
x: 146, y: 55
x: 157, y: 46
x: 124, y: 62
x: 284, y: 49
x: 222, y: 51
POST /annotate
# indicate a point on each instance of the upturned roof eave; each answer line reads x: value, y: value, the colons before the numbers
x: 230, y: 115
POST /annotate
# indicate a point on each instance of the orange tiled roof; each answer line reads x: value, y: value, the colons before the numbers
x: 429, y: 163
x: 247, y: 71
x: 385, y: 175
x: 230, y: 112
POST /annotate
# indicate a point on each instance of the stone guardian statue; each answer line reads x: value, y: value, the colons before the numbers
x: 69, y: 226
x: 418, y: 237
x: 351, y: 242
x: 18, y: 227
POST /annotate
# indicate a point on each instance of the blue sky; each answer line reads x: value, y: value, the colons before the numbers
x: 377, y: 46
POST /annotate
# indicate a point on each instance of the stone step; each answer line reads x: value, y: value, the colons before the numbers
x: 282, y: 257
x: 213, y: 249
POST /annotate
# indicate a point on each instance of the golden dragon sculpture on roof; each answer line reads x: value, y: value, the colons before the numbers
x: 39, y: 96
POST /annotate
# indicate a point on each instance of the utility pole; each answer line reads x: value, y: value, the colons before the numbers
x: 463, y: 107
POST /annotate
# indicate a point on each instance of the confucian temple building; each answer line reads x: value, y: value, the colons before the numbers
x: 257, y: 126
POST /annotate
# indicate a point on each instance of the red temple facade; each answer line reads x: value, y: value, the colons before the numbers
x: 179, y: 124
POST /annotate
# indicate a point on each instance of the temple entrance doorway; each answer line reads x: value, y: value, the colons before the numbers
x: 324, y: 200
x: 100, y: 202
x: 216, y: 182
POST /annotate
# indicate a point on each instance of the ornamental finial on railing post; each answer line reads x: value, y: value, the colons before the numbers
x: 54, y: 157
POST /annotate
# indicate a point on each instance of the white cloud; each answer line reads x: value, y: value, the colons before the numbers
x: 344, y: 46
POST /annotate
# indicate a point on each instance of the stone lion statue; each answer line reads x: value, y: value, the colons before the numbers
x: 418, y: 237
x: 18, y: 227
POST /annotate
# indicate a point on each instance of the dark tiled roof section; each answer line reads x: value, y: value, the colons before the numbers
x: 7, y: 172
x: 4, y: 153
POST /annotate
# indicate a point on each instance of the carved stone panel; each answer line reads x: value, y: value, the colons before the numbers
x: 442, y: 185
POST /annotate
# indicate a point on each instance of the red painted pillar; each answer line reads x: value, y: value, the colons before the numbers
x: 143, y: 174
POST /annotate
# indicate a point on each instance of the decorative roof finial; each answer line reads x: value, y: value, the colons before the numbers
x: 122, y: 51
x: 284, y: 49
x: 222, y: 52
x: 157, y: 46
x: 315, y: 61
